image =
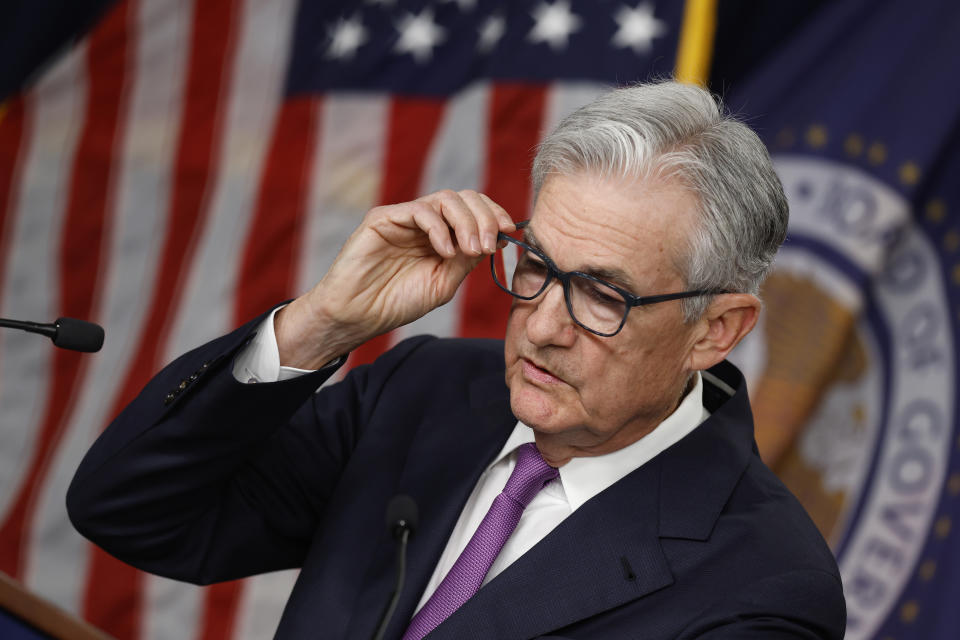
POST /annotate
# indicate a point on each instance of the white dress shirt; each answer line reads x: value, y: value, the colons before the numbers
x: 580, y: 479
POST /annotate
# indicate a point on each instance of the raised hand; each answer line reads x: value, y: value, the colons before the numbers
x: 401, y: 262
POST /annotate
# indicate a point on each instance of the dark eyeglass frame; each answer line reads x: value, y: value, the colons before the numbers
x: 564, y: 278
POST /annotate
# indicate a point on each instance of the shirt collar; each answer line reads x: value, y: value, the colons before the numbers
x: 585, y: 477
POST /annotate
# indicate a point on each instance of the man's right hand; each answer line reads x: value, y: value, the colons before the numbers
x: 401, y: 262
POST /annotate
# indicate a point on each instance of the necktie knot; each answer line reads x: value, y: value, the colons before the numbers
x: 530, y: 474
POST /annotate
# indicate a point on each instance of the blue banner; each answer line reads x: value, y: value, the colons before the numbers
x: 855, y: 368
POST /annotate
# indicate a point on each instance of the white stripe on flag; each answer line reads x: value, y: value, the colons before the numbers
x: 456, y: 161
x: 345, y: 182
x: 30, y: 287
x: 564, y: 98
x: 262, y: 604
x: 346, y: 177
x: 172, y: 609
x: 256, y: 92
x: 141, y: 190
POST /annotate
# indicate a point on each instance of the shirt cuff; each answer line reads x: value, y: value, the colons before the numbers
x: 259, y: 361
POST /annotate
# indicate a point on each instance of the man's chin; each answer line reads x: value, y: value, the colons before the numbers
x: 535, y: 407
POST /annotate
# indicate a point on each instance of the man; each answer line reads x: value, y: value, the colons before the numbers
x: 643, y: 510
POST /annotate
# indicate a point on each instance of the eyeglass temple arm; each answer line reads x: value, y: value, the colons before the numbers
x: 636, y: 302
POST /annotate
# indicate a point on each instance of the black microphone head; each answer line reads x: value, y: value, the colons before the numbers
x: 78, y: 335
x: 402, y: 514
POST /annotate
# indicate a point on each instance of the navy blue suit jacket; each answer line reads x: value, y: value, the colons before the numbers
x: 205, y: 479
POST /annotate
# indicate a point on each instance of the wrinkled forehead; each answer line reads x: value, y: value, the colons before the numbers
x: 639, y: 228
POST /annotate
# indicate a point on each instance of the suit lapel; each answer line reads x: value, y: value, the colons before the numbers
x: 449, y: 454
x: 701, y: 471
x: 611, y: 555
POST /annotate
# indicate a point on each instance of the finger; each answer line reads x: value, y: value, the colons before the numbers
x: 460, y: 266
x: 429, y: 220
x: 487, y: 222
x: 507, y: 225
x: 461, y: 219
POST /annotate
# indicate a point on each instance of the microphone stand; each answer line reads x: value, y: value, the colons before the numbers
x: 398, y: 587
x: 402, y: 518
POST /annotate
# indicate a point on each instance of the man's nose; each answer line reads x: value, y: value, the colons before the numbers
x: 550, y: 323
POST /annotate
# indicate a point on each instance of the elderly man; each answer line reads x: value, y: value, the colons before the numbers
x: 610, y: 489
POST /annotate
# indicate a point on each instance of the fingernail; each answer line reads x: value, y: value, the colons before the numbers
x: 475, y: 244
x: 489, y: 242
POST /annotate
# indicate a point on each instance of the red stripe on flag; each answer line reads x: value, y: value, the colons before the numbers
x: 516, y: 120
x: 220, y: 610
x: 410, y: 133
x: 114, y: 598
x: 13, y: 124
x: 271, y: 254
x: 85, y: 226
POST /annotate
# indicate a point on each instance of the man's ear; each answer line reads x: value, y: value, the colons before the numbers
x: 726, y: 321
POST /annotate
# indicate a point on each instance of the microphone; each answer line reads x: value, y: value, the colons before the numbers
x: 402, y: 520
x: 66, y: 333
x: 401, y: 516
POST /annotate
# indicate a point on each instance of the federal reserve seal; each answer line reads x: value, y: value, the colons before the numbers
x: 853, y: 372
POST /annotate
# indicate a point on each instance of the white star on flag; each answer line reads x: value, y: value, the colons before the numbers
x: 491, y: 31
x: 419, y: 34
x: 554, y: 24
x: 638, y: 28
x: 346, y: 36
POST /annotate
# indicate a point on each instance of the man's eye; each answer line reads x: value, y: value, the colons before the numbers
x: 532, y: 264
x: 603, y: 295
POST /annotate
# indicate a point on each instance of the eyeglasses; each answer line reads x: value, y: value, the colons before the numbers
x: 594, y: 304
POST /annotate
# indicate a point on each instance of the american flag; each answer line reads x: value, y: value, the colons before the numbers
x: 188, y: 164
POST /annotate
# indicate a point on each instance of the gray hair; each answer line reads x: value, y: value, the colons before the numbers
x: 669, y: 130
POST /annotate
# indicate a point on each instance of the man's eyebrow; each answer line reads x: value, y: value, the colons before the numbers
x: 612, y: 275
x: 531, y: 239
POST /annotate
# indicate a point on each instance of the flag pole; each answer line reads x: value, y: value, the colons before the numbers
x: 695, y: 48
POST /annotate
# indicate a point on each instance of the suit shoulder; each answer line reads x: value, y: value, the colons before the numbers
x: 430, y: 365
x: 784, y: 528
x: 427, y: 349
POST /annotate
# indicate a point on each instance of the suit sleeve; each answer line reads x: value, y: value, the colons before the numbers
x: 202, y: 478
x: 798, y: 605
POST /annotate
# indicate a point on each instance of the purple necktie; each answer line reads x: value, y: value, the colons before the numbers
x: 468, y: 572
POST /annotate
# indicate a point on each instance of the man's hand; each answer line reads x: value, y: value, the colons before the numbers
x: 401, y: 262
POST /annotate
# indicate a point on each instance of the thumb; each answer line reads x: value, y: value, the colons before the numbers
x: 457, y: 270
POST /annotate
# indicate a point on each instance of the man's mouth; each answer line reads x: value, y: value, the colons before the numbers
x: 537, y: 373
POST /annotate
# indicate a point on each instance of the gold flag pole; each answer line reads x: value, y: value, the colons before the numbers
x: 695, y: 49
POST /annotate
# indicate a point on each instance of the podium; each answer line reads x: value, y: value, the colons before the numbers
x: 26, y: 616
